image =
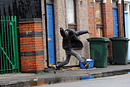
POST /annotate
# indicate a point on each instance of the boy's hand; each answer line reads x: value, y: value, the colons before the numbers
x: 89, y: 32
x: 60, y: 28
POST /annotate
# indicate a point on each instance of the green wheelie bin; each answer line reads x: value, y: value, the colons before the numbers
x: 98, y: 51
x: 120, y: 50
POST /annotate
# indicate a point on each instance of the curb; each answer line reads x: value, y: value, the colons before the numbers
x: 27, y: 83
x: 110, y: 73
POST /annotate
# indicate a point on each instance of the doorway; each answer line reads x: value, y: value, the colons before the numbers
x: 115, y: 22
x: 50, y: 34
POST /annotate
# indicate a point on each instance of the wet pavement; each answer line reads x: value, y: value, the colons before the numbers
x: 49, y: 81
x: 67, y: 75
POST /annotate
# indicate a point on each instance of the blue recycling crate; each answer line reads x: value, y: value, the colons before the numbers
x: 91, y: 64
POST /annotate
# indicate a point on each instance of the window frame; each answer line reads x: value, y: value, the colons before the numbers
x: 115, y: 1
x: 73, y: 26
x: 101, y: 25
x: 49, y: 2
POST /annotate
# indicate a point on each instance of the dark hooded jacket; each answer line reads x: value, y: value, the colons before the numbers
x: 74, y: 42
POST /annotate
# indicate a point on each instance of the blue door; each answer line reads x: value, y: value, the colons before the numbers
x: 115, y: 23
x: 126, y: 33
x: 50, y: 33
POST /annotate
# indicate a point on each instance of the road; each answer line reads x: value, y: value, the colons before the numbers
x: 114, y: 81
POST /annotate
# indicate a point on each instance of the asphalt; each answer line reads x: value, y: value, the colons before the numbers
x: 23, y: 79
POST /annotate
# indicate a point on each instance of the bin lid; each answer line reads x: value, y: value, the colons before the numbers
x: 119, y: 39
x: 98, y: 39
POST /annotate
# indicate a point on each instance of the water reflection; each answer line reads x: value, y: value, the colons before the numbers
x: 86, y: 77
x: 49, y: 81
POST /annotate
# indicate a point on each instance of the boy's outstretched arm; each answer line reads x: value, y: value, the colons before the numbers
x: 82, y: 32
x: 62, y: 32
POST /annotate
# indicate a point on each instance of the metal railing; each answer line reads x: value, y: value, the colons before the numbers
x: 9, y: 58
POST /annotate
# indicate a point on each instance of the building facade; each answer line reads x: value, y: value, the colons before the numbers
x: 106, y: 19
x: 40, y: 42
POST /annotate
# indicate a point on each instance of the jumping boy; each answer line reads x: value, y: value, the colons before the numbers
x: 70, y: 42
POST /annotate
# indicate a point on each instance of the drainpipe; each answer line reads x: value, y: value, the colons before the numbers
x: 46, y: 33
x: 124, y: 19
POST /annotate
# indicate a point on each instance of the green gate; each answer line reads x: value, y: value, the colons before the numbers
x: 9, y: 58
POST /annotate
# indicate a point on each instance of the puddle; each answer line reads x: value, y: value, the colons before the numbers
x: 48, y: 81
x: 86, y: 77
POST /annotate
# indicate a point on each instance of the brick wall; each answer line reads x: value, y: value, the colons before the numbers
x: 108, y: 24
x: 108, y: 19
x: 31, y: 45
x: 91, y: 17
x: 120, y: 20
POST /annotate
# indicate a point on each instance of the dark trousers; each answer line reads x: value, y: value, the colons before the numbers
x: 68, y: 55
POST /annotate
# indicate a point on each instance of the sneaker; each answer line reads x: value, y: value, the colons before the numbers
x: 54, y: 69
x: 87, y: 65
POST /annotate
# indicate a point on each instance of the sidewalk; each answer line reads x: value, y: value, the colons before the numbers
x: 24, y: 78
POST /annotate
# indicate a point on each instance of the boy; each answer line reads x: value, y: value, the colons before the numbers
x: 70, y: 42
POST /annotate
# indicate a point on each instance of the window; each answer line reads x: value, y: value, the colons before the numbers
x: 114, y: 5
x: 49, y: 1
x: 125, y: 7
x: 99, y: 22
x: 98, y: 13
x: 71, y: 16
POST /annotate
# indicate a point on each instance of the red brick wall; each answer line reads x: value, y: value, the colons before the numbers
x: 31, y: 47
x: 108, y: 19
x: 120, y: 20
x: 108, y: 23
x: 91, y: 17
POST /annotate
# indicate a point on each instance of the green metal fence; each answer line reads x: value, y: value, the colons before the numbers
x: 9, y: 58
